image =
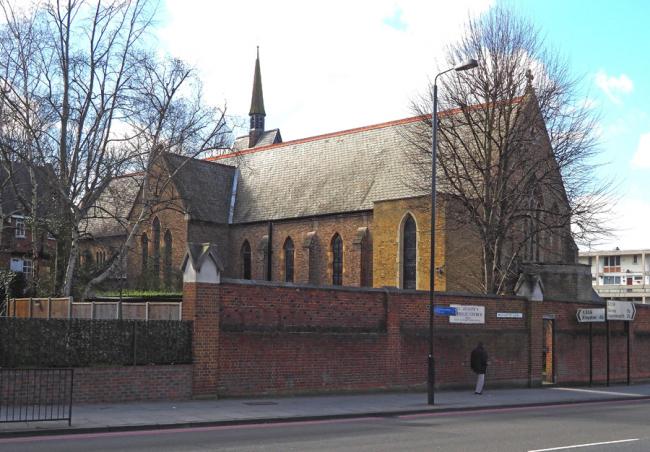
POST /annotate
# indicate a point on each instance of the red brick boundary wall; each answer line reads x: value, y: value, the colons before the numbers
x: 131, y: 384
x: 572, y: 345
x: 267, y: 338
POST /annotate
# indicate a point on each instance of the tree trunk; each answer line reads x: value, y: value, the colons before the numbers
x: 36, y: 239
x: 72, y: 263
x: 117, y: 261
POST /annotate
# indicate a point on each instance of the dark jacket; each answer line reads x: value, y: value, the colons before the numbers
x: 479, y: 360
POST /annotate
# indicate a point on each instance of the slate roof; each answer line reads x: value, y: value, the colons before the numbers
x: 340, y: 172
x: 205, y: 189
x: 111, y: 215
x: 11, y: 203
x: 267, y: 138
x: 204, y: 186
x: 346, y: 171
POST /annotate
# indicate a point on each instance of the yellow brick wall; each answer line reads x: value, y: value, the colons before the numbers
x: 387, y: 222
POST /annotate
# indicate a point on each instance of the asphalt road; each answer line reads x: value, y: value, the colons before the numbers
x: 620, y: 426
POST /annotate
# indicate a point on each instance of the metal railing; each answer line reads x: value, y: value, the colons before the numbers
x: 31, y: 395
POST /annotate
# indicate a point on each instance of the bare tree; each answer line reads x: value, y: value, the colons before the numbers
x: 79, y: 94
x: 70, y: 76
x: 515, y: 149
x: 168, y: 116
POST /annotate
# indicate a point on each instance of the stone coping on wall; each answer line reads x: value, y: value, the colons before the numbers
x: 385, y: 289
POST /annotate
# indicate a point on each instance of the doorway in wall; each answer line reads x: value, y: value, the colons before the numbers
x: 548, y: 352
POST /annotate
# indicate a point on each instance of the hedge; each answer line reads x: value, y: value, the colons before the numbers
x: 88, y: 343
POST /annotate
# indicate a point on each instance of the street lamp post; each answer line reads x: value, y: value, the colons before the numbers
x: 431, y: 373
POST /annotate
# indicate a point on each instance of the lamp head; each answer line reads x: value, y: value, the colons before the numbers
x: 466, y: 65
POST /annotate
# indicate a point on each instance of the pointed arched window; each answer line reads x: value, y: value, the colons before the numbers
x: 246, y: 260
x: 88, y: 258
x: 409, y: 253
x: 337, y: 260
x: 288, y: 260
x: 167, y: 261
x: 144, y: 245
x: 155, y: 229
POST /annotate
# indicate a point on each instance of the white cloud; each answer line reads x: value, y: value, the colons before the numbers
x: 613, y: 86
x: 326, y: 66
x: 641, y: 157
x: 630, y: 219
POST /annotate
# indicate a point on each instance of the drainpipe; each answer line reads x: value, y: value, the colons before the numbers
x: 269, y: 253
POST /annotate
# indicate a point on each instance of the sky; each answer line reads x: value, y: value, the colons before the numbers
x: 336, y: 65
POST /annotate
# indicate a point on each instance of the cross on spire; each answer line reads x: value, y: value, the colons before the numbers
x: 529, y: 77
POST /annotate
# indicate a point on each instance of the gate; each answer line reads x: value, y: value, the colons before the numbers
x: 548, y: 351
x: 30, y: 395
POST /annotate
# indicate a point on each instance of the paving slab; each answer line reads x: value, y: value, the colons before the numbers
x: 142, y: 415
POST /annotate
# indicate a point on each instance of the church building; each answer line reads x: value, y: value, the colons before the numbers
x: 329, y: 210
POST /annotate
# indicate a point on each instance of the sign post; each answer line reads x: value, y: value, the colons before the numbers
x: 620, y: 310
x: 444, y: 310
x: 607, y: 345
x: 591, y: 316
x: 468, y: 314
x: 625, y: 311
x: 591, y: 354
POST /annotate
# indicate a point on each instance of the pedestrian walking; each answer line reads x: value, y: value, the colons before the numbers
x: 479, y: 362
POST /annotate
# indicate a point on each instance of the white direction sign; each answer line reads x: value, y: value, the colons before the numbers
x: 620, y: 310
x: 467, y: 314
x: 591, y: 315
x: 510, y: 315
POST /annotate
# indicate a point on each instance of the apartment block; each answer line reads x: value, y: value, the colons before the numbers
x: 620, y: 274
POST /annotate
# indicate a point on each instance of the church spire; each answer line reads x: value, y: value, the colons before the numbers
x: 529, y: 80
x: 257, y: 112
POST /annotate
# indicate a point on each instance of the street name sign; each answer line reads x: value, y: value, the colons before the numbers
x: 510, y: 315
x: 444, y: 310
x: 620, y: 310
x: 590, y: 315
x: 468, y: 314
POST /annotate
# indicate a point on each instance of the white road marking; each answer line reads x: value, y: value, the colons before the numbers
x: 593, y: 391
x: 575, y: 446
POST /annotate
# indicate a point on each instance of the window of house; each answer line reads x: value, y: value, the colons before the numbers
x: 612, y: 264
x: 589, y: 260
x: 246, y: 260
x: 167, y: 261
x: 409, y: 254
x: 288, y: 260
x: 20, y: 228
x: 19, y: 265
x: 28, y: 267
x: 155, y: 229
x: 16, y: 265
x: 611, y: 280
x: 337, y: 260
x: 144, y: 244
x: 635, y: 259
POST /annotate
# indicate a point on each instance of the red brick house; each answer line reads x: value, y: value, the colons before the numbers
x: 20, y: 251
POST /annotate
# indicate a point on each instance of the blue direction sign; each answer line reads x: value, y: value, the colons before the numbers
x: 444, y: 310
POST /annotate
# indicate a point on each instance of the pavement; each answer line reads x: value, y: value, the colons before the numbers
x: 193, y: 413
